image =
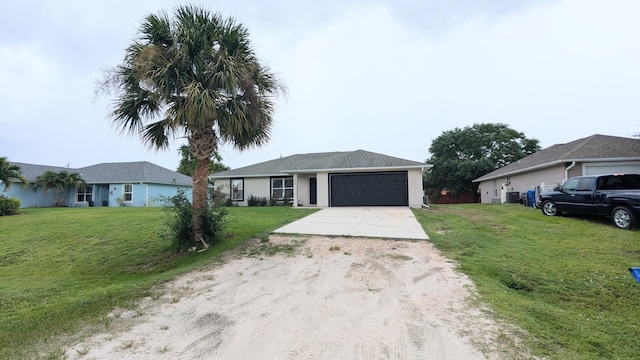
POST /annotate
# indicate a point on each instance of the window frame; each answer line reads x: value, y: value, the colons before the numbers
x: 233, y: 192
x: 82, y: 191
x: 125, y: 192
x: 282, y: 187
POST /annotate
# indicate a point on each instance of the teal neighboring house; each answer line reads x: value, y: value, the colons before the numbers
x: 108, y: 184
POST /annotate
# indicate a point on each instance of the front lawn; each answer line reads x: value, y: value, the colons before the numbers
x: 67, y: 267
x: 565, y: 280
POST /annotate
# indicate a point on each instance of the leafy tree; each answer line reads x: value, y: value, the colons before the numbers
x: 461, y: 155
x: 59, y: 182
x: 188, y: 163
x: 193, y: 75
x: 10, y: 173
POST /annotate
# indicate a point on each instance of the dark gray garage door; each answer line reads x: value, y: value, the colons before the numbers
x: 369, y: 189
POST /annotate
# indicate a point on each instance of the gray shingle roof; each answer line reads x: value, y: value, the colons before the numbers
x: 358, y: 159
x: 593, y: 148
x: 112, y: 173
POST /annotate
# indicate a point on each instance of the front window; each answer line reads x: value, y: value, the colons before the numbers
x: 85, y: 194
x: 282, y: 188
x: 237, y: 189
x: 128, y: 193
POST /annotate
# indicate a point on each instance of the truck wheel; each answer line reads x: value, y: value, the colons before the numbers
x: 623, y: 218
x: 549, y: 208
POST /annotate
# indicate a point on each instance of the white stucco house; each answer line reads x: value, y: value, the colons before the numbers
x: 547, y: 168
x: 353, y: 178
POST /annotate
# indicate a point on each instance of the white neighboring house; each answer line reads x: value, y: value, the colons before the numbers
x: 596, y: 154
x: 354, y: 178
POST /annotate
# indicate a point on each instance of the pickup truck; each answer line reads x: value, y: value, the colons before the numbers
x: 616, y: 196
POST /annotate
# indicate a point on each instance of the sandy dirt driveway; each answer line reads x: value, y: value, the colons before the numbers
x: 332, y: 298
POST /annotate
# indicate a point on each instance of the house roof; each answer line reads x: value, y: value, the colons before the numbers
x: 593, y: 148
x: 124, y: 172
x: 336, y: 161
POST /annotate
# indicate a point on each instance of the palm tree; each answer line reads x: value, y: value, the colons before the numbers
x: 58, y: 182
x: 10, y: 173
x: 196, y: 76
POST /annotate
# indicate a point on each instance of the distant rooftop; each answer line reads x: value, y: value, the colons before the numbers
x: 122, y: 172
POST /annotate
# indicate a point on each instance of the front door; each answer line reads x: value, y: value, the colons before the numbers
x: 313, y: 191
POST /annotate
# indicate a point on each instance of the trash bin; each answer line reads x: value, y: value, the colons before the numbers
x: 531, y: 194
x: 91, y: 203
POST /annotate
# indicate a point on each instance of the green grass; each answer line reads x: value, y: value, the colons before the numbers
x: 64, y: 269
x: 565, y: 280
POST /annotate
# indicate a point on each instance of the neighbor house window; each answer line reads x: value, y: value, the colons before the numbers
x: 495, y: 188
x: 127, y: 193
x: 282, y: 188
x: 237, y: 189
x: 85, y: 193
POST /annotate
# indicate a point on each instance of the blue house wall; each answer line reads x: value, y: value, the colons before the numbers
x: 144, y: 194
x: 29, y: 198
x: 103, y: 195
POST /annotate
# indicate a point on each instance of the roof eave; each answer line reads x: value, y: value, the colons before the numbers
x: 231, y: 176
x: 381, y: 168
x: 310, y: 171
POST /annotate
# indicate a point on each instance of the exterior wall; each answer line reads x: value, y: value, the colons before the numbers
x: 260, y: 187
x: 142, y: 195
x: 521, y: 183
x: 414, y: 178
x: 28, y: 198
x: 323, y: 189
x: 223, y: 185
x: 302, y: 196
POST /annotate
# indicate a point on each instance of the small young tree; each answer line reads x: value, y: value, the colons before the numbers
x: 179, y: 217
x: 59, y: 183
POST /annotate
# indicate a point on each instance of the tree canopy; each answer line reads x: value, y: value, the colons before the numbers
x: 188, y: 163
x: 459, y: 156
x: 194, y: 75
x: 10, y: 173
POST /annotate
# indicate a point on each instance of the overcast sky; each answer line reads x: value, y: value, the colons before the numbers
x: 386, y: 76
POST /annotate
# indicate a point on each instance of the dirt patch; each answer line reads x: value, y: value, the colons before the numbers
x: 329, y: 298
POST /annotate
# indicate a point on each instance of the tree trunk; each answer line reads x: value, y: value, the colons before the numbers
x: 199, y: 194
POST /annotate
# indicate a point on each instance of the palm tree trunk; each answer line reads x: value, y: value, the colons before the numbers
x: 199, y: 193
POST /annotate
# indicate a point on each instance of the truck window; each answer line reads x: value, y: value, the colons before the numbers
x: 585, y: 184
x: 570, y: 185
x: 631, y: 182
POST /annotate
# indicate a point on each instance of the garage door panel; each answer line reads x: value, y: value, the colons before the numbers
x: 369, y: 189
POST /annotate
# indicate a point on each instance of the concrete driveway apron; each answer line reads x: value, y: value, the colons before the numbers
x: 375, y: 222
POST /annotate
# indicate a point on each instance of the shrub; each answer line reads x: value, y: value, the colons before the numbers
x: 178, y: 211
x: 9, y: 206
x: 257, y: 201
x: 253, y: 200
